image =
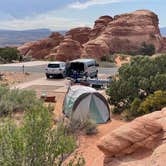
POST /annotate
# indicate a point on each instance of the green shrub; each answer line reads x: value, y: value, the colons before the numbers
x: 16, y: 100
x: 9, y: 54
x: 90, y: 127
x: 151, y: 103
x: 77, y: 161
x: 132, y: 112
x: 87, y: 126
x: 36, y: 142
x: 143, y: 74
x: 146, y: 49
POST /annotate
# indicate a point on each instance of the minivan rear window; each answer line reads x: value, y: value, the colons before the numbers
x: 53, y: 65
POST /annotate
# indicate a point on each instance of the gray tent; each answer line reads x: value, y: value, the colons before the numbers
x: 82, y: 102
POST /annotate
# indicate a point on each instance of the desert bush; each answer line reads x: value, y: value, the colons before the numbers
x: 87, y: 126
x: 138, y: 79
x: 103, y: 58
x: 146, y: 49
x: 90, y: 127
x: 9, y: 54
x: 77, y: 161
x: 11, y: 144
x: 16, y: 100
x: 153, y: 102
x: 36, y: 142
x: 131, y: 113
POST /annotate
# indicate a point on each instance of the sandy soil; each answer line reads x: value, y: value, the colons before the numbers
x: 88, y: 144
x: 30, y: 63
x: 13, y: 78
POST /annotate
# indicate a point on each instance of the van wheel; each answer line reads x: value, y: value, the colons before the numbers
x: 48, y: 76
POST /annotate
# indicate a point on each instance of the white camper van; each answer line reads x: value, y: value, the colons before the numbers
x: 84, y: 67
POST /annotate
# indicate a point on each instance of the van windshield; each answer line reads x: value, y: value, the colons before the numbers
x: 53, y: 65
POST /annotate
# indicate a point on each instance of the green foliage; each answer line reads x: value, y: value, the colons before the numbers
x: 147, y: 49
x: 16, y: 100
x: 77, y: 161
x: 131, y: 113
x: 9, y: 54
x: 11, y: 144
x: 90, y: 127
x: 45, y: 145
x: 108, y: 58
x: 152, y: 103
x: 35, y: 143
x: 137, y: 79
x: 87, y: 126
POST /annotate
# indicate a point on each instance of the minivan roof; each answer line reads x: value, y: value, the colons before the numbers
x: 83, y: 60
x: 56, y: 62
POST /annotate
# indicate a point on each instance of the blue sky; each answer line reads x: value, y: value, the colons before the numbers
x: 66, y: 14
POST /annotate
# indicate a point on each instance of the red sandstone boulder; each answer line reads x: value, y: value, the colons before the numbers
x: 80, y: 34
x: 141, y: 135
x: 67, y: 50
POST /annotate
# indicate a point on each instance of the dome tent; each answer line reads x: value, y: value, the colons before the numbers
x: 82, y: 102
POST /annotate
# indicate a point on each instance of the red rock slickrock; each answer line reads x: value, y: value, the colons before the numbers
x: 80, y: 34
x: 40, y: 49
x: 67, y: 50
x: 145, y: 135
x: 124, y: 33
x: 100, y: 25
x: 164, y: 45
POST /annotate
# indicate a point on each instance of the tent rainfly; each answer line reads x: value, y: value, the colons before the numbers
x: 82, y: 102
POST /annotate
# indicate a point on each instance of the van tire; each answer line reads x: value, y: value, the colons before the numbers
x: 47, y: 76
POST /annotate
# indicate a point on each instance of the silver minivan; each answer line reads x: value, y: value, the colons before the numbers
x: 84, y: 68
x: 56, y: 68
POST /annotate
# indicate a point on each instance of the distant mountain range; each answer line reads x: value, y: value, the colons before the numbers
x: 15, y: 38
x: 163, y: 31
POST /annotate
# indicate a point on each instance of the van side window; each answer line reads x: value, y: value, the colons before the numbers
x: 89, y: 65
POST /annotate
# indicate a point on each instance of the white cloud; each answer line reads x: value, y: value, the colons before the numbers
x: 84, y: 5
x: 47, y: 20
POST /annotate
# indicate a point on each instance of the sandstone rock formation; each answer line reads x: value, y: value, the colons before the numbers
x: 141, y: 142
x: 42, y: 48
x: 67, y: 50
x: 100, y: 25
x: 126, y: 33
x: 80, y: 34
x: 122, y: 34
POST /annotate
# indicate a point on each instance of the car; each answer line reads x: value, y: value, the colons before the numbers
x: 56, y: 68
x: 83, y: 67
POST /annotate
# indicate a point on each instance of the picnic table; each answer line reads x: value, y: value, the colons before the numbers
x: 95, y: 83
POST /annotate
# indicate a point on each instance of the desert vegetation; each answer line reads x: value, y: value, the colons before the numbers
x: 139, y: 87
x: 8, y: 55
x: 37, y: 140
